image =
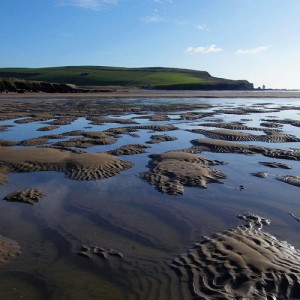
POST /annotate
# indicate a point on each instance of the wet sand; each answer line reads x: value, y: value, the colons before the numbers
x: 85, y: 166
x: 171, y: 171
x: 128, y: 231
x: 9, y: 250
x: 29, y: 196
x: 156, y: 94
x: 241, y: 263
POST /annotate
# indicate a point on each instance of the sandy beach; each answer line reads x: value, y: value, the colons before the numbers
x: 158, y: 94
x: 129, y: 188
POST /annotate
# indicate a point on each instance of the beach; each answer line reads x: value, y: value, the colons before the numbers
x: 139, y: 197
x: 158, y: 94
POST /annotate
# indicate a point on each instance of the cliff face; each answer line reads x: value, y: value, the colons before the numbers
x: 20, y: 85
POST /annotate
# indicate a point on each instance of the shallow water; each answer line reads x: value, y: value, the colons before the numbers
x: 129, y: 215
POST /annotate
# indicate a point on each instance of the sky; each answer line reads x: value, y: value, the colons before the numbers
x: 256, y: 40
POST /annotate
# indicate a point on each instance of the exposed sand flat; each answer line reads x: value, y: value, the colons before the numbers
x: 231, y: 126
x: 261, y: 174
x: 195, y: 115
x: 48, y: 128
x: 73, y: 133
x: 230, y: 147
x: 4, y: 127
x: 158, y: 118
x: 29, y: 196
x: 290, y: 179
x: 86, y: 166
x: 65, y: 120
x: 165, y: 94
x: 155, y: 127
x: 247, y: 111
x: 154, y: 139
x: 31, y: 119
x: 8, y: 143
x: 154, y: 118
x: 65, y: 111
x: 295, y: 123
x: 88, y: 140
x: 173, y: 170
x: 230, y: 135
x: 115, y: 132
x: 3, y: 178
x: 84, y: 142
x: 129, y: 150
x: 102, y: 120
x: 271, y: 124
x: 274, y: 164
x: 241, y: 263
x: 99, y: 135
x: 34, y: 142
x: 9, y: 250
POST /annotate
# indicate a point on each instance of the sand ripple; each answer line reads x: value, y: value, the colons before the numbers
x: 230, y: 147
x: 240, y: 263
x: 155, y: 139
x: 230, y: 135
x: 290, y: 179
x: 85, y: 166
x: 48, y: 128
x: 129, y: 150
x: 274, y: 164
x: 26, y: 196
x: 173, y: 170
x: 231, y: 126
x: 295, y: 123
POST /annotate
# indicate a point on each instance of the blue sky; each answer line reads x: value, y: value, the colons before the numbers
x: 257, y: 40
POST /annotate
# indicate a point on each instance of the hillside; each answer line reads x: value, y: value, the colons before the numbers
x: 155, y: 78
x: 21, y: 85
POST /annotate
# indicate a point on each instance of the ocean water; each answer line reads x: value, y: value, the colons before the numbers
x: 129, y: 215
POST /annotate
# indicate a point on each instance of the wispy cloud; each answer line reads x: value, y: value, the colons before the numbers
x: 252, y: 51
x: 163, y: 1
x: 201, y: 27
x: 90, y: 4
x: 154, y: 18
x: 203, y: 50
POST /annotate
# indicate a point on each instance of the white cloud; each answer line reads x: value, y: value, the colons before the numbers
x: 203, y: 50
x: 90, y: 4
x: 154, y: 18
x: 252, y: 51
x: 201, y: 27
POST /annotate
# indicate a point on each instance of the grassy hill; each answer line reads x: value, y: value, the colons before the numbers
x: 158, y: 78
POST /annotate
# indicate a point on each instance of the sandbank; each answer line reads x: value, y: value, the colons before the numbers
x: 85, y: 166
x: 29, y: 196
x: 231, y: 135
x: 241, y: 263
x: 171, y: 171
x: 218, y: 146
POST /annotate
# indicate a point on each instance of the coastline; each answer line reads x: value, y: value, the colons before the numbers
x: 164, y: 94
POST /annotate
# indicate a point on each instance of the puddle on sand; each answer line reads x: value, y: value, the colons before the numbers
x: 129, y: 215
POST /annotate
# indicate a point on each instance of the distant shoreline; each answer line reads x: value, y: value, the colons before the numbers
x: 150, y: 94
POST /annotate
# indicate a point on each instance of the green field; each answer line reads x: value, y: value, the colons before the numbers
x: 170, y: 78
